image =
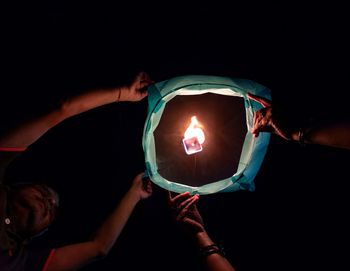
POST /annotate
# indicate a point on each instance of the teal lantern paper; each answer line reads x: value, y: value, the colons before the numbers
x: 252, y: 150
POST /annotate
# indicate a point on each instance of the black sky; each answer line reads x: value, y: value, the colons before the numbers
x: 296, y: 218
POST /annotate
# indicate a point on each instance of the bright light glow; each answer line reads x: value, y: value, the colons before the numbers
x: 194, y: 137
x: 195, y: 130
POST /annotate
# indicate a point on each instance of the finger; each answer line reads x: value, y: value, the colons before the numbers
x: 143, y: 77
x: 144, y: 84
x: 260, y: 122
x: 170, y: 198
x: 147, y: 78
x: 139, y: 176
x: 140, y: 76
x: 187, y: 201
x: 263, y: 101
x: 180, y: 197
x: 147, y: 185
x: 280, y: 132
x: 255, y: 133
x: 270, y: 128
x: 192, y: 203
x: 185, y: 210
x: 255, y: 128
x: 142, y: 95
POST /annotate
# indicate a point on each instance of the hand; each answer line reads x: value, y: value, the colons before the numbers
x: 137, y: 90
x: 265, y: 120
x: 186, y: 211
x: 142, y: 188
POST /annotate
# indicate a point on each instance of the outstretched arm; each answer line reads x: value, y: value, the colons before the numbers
x: 334, y: 133
x: 23, y: 136
x: 188, y: 215
x: 17, y: 140
x: 77, y: 255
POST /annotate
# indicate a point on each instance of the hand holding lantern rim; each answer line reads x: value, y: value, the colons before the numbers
x: 266, y: 120
x: 135, y: 91
x: 186, y: 211
x: 330, y: 132
x: 187, y: 214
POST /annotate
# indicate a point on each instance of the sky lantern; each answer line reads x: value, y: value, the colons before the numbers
x: 197, y: 134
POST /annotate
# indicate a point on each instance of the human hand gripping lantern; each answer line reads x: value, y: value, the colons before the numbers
x: 197, y: 134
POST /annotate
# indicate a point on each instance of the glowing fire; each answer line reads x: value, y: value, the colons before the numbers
x: 193, y: 137
x: 195, y: 130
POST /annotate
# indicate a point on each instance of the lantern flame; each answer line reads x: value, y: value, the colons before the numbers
x: 195, y: 130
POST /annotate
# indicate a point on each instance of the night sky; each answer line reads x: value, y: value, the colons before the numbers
x: 296, y: 218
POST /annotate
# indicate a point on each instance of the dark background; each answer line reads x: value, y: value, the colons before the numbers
x: 296, y: 218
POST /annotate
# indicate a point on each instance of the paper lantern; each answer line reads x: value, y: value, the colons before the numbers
x: 197, y: 134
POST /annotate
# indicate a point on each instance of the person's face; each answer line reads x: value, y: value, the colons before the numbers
x: 30, y: 212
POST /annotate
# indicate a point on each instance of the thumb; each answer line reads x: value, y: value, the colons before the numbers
x: 263, y: 101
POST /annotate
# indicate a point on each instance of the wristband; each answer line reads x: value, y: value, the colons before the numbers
x: 211, y: 249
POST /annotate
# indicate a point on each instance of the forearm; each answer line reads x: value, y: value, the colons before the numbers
x: 335, y: 134
x: 215, y: 261
x: 202, y: 239
x: 108, y: 233
x: 26, y: 134
x: 89, y: 100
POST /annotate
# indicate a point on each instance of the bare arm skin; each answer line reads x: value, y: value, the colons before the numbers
x: 334, y: 133
x: 189, y: 216
x: 76, y: 256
